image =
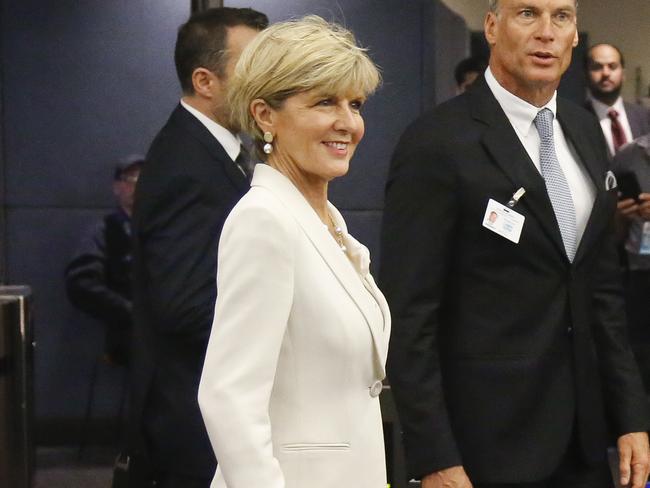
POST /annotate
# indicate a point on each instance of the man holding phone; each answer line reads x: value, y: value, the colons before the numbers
x: 632, y: 167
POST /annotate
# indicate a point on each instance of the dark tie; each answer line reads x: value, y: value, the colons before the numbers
x: 556, y: 183
x: 245, y: 162
x: 618, y: 136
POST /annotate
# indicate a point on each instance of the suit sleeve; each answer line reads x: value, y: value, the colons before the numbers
x: 420, y: 216
x: 86, y: 281
x: 177, y: 224
x: 624, y: 394
x: 255, y: 280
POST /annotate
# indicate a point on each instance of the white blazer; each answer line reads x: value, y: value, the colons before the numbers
x: 290, y: 384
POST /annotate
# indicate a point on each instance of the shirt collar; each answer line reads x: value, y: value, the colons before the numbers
x: 520, y: 113
x: 601, y: 108
x: 230, y: 142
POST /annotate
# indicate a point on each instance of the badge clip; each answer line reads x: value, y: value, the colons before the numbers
x: 516, y: 196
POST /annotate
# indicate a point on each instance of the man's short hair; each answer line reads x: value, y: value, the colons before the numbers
x: 473, y: 64
x: 493, y: 5
x: 588, y: 58
x: 201, y: 41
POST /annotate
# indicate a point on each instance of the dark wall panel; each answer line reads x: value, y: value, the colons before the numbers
x: 84, y: 83
x: 450, y: 30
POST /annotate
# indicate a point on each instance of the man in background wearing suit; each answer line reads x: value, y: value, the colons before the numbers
x: 620, y: 121
x: 509, y: 362
x: 98, y: 277
x: 192, y: 178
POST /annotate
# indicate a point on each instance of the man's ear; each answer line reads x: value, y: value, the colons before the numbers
x: 263, y: 114
x: 490, y: 28
x: 576, y: 39
x: 202, y: 81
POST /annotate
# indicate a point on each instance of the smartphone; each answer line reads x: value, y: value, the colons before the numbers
x: 628, y: 185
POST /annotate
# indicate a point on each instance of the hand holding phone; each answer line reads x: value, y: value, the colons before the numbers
x: 628, y: 186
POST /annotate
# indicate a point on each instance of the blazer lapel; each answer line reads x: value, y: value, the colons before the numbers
x: 635, y: 119
x: 502, y: 143
x: 326, y: 246
x: 584, y: 147
x: 201, y: 133
x: 360, y: 256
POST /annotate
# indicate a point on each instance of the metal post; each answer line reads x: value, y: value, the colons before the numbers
x: 16, y: 387
x: 3, y: 178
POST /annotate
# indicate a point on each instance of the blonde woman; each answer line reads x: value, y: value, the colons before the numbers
x: 290, y: 385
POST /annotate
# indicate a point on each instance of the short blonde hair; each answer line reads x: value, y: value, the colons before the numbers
x: 293, y: 57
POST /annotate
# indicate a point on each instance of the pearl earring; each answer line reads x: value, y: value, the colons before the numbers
x: 268, y: 147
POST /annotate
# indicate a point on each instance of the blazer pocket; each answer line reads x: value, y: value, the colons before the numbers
x: 303, y: 446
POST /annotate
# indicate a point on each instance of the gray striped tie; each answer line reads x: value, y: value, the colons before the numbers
x: 556, y: 184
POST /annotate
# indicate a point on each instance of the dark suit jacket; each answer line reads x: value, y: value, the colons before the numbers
x: 98, y: 281
x: 637, y: 116
x: 498, y: 347
x: 187, y: 187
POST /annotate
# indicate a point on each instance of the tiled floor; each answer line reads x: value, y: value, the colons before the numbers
x: 59, y: 467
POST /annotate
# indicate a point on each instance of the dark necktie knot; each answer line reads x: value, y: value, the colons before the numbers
x: 612, y: 114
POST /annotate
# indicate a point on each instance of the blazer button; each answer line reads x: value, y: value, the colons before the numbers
x: 376, y: 388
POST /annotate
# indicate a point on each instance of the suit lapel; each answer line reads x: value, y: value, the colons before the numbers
x: 584, y: 146
x: 326, y: 246
x: 359, y: 253
x: 192, y: 125
x: 635, y: 119
x: 503, y: 145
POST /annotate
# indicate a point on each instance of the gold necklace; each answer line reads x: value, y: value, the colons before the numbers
x: 338, y: 233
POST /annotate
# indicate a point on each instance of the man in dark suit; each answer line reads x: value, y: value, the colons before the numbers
x: 620, y: 121
x: 192, y: 178
x: 508, y: 360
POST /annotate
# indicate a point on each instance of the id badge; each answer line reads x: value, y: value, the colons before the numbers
x: 503, y: 221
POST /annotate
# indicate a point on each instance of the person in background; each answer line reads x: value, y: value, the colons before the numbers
x: 290, y: 386
x: 196, y: 171
x: 621, y: 122
x: 467, y: 71
x: 633, y: 161
x: 509, y: 360
x: 98, y: 278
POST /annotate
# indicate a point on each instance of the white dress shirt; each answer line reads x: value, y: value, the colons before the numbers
x: 601, y: 110
x: 521, y: 115
x: 230, y: 142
